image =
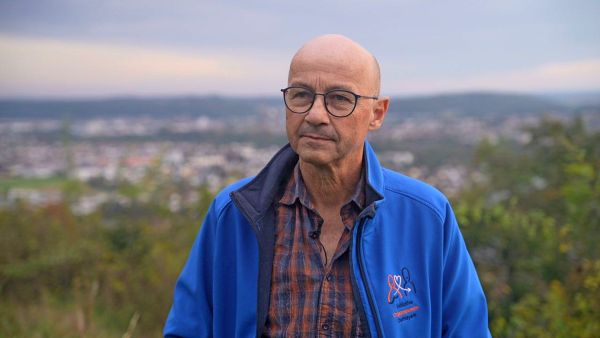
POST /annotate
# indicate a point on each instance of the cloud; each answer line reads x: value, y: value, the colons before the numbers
x: 552, y: 76
x: 584, y: 72
x: 34, y: 67
x: 48, y: 67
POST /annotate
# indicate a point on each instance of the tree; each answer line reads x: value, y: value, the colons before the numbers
x: 532, y: 221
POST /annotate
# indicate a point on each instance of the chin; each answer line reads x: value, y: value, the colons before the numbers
x: 315, y: 157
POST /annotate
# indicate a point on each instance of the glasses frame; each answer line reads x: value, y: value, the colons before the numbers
x: 315, y: 94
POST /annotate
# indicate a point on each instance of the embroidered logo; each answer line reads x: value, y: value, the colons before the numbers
x: 401, y: 294
x: 395, y: 284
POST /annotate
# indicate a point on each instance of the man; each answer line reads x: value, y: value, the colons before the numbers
x: 324, y: 241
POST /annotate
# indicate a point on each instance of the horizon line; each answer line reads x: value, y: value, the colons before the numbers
x: 131, y: 96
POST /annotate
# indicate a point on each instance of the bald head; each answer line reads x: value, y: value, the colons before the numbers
x: 334, y: 51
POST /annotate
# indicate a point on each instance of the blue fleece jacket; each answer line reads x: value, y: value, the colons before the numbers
x: 412, y: 274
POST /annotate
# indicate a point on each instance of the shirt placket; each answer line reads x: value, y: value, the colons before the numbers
x: 328, y: 288
x: 329, y: 285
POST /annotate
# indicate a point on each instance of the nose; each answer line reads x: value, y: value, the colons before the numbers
x: 318, y: 113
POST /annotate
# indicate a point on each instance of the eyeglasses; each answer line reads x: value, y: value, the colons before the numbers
x: 338, y: 102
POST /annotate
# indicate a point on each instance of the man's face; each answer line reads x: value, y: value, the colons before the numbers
x: 318, y: 137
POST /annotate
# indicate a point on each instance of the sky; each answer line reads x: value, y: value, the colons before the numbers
x: 103, y: 48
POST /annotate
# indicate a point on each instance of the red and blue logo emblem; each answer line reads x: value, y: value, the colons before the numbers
x: 401, y: 294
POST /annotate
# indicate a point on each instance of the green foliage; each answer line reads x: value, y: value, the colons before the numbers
x: 530, y: 216
x: 532, y: 224
x: 99, y: 275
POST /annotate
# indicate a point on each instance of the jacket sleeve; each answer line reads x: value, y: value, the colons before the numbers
x: 464, y: 308
x: 191, y: 312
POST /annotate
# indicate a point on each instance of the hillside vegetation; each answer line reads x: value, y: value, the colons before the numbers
x: 531, y: 219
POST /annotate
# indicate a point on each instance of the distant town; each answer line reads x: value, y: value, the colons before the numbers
x: 38, y: 155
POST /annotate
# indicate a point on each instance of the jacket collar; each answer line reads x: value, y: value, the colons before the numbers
x: 375, y: 182
x: 259, y: 195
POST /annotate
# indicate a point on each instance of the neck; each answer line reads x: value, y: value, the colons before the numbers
x: 331, y: 185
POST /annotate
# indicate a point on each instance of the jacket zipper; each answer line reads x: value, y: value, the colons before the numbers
x: 364, y: 279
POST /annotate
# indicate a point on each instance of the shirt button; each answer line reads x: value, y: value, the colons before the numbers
x: 325, y: 327
x: 329, y: 277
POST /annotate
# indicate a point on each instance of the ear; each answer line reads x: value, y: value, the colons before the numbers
x: 379, y: 111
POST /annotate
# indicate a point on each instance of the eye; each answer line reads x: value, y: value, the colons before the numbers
x: 340, y: 97
x: 299, y: 94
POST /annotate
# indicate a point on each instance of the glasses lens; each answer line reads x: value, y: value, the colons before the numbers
x: 340, y: 102
x: 298, y: 100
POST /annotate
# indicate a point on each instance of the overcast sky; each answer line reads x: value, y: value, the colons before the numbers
x: 74, y: 48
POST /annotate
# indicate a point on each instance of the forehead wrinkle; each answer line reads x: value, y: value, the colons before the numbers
x: 324, y: 84
x: 323, y: 74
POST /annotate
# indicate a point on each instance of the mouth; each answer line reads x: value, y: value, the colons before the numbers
x: 316, y: 137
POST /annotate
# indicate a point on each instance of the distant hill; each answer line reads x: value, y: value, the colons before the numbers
x: 575, y: 99
x: 213, y: 106
x: 485, y: 105
x: 477, y: 104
